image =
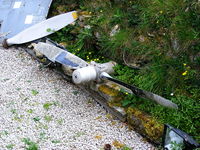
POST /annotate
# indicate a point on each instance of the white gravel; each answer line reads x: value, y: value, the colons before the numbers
x: 59, y: 117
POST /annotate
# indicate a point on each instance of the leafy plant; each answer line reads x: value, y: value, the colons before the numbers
x: 30, y: 145
x: 34, y: 92
x: 48, y: 118
x: 47, y: 105
x: 36, y: 119
x: 10, y: 146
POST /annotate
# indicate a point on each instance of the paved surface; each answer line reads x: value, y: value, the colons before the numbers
x: 38, y: 108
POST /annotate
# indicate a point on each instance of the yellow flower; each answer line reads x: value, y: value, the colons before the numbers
x: 90, y: 53
x: 161, y: 11
x: 101, y: 11
x: 126, y: 93
x: 184, y: 73
x: 184, y: 64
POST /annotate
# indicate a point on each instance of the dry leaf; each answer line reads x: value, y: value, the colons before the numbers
x: 117, y: 144
x: 98, y: 137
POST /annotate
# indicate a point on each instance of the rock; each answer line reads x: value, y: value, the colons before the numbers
x: 115, y: 30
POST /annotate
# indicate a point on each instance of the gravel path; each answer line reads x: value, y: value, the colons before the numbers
x: 39, y: 109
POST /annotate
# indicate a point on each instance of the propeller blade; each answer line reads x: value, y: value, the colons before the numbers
x: 141, y: 93
x: 42, y: 29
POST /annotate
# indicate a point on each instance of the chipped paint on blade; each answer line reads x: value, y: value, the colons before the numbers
x: 13, y: 15
x: 40, y: 30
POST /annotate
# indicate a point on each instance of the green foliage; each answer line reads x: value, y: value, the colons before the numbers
x: 10, y: 146
x: 126, y: 148
x: 34, y: 92
x: 30, y: 145
x: 36, y: 119
x: 48, y: 118
x: 47, y: 105
x: 56, y: 141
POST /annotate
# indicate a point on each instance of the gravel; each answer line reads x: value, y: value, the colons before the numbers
x: 38, y: 108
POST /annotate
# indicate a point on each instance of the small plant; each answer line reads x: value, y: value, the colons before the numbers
x: 126, y: 148
x: 42, y: 135
x: 47, y: 106
x: 75, y: 92
x: 5, y: 132
x: 13, y: 111
x: 36, y: 119
x: 30, y: 111
x: 18, y: 89
x: 60, y: 121
x: 30, y: 145
x: 56, y: 141
x: 48, y: 118
x: 10, y: 146
x: 34, y: 92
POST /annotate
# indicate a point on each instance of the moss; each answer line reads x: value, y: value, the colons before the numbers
x: 145, y: 124
x: 108, y: 90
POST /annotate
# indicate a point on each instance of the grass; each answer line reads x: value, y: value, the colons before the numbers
x: 159, y: 38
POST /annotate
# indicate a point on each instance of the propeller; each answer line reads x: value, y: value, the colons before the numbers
x: 141, y: 93
x: 42, y: 29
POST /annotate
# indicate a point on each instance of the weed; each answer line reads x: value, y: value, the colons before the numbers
x: 30, y: 145
x: 10, y: 146
x: 18, y: 89
x: 36, y: 119
x: 30, y: 111
x: 75, y: 92
x: 5, y: 132
x: 56, y: 141
x: 42, y: 135
x: 126, y: 148
x: 13, y: 111
x: 34, y: 92
x: 47, y: 106
x: 60, y: 121
x: 48, y: 118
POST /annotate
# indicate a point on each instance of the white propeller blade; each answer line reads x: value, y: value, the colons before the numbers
x: 42, y: 29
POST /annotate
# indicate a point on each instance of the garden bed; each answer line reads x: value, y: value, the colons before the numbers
x: 157, y: 47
